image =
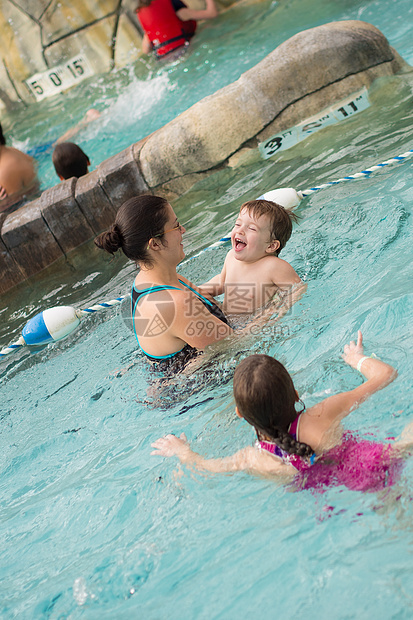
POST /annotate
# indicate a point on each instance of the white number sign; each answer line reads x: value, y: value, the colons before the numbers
x: 59, y: 78
x: 284, y: 140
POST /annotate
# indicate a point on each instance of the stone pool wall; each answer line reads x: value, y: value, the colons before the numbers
x: 37, y: 35
x: 310, y: 71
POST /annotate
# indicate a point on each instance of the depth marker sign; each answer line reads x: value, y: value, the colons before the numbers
x: 288, y: 138
x: 59, y: 78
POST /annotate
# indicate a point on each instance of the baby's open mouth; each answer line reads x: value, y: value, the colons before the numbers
x: 239, y: 244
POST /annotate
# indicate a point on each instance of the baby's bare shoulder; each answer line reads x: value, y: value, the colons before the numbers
x: 280, y: 270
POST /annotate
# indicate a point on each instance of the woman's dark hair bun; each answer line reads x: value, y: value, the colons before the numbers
x: 111, y: 240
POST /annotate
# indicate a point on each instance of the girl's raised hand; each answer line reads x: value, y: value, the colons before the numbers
x: 170, y: 445
x: 354, y: 352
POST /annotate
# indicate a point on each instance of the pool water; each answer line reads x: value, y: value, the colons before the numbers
x: 143, y: 97
x: 92, y: 526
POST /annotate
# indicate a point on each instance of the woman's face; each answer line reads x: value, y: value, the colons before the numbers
x: 173, y: 234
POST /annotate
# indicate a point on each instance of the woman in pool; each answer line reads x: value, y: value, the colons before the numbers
x: 172, y: 321
x: 310, y: 443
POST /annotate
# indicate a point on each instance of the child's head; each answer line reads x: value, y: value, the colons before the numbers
x: 279, y: 219
x: 70, y: 161
x: 265, y: 397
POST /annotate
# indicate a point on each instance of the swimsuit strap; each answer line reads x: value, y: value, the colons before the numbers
x: 210, y: 305
x: 204, y: 299
x: 293, y: 428
x: 134, y: 302
x: 292, y: 459
x: 137, y: 294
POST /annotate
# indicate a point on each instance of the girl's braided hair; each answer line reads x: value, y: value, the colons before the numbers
x: 265, y: 396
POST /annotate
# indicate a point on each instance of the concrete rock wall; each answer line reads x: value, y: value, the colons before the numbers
x: 37, y: 35
x: 310, y: 71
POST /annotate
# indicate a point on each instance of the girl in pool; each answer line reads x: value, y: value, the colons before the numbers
x: 172, y: 321
x: 310, y: 442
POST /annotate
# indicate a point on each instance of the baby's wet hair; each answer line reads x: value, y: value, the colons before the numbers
x: 281, y: 219
x: 265, y: 396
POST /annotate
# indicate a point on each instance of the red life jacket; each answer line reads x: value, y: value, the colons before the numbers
x: 163, y: 27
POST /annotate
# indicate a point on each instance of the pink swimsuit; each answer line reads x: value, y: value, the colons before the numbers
x: 293, y: 459
x: 358, y: 464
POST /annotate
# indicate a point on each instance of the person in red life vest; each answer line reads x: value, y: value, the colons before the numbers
x: 169, y: 24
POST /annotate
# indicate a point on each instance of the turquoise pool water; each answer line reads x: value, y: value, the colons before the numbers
x: 140, y: 99
x: 92, y: 526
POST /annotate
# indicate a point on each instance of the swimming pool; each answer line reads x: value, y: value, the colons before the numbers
x: 93, y: 527
x: 138, y: 100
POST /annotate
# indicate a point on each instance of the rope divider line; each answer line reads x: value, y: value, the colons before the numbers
x: 46, y: 327
x: 364, y: 173
x: 101, y: 306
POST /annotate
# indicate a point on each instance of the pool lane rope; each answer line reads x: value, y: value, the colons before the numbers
x: 359, y: 175
x: 56, y: 323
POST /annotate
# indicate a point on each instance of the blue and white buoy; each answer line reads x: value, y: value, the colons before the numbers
x: 54, y: 324
x: 51, y: 325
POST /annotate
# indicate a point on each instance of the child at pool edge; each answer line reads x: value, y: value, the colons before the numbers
x: 253, y: 272
x: 288, y: 442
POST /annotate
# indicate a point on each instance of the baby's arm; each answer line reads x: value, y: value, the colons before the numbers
x: 216, y: 285
x: 213, y: 287
x: 247, y: 459
x: 283, y: 275
x: 290, y: 289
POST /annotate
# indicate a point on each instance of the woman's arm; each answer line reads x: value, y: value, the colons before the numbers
x: 209, y: 12
x: 321, y: 417
x: 194, y: 324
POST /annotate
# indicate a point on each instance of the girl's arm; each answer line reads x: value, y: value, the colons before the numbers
x: 322, y: 416
x: 209, y: 12
x: 247, y: 459
x: 179, y: 446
